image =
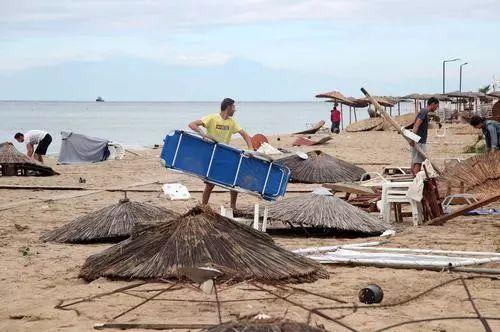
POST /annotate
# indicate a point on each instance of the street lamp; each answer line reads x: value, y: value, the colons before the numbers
x: 444, y: 70
x: 460, y: 86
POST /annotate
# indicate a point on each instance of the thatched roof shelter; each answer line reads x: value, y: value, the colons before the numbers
x: 381, y: 100
x: 264, y: 325
x: 320, y: 209
x: 478, y: 175
x: 366, y: 125
x: 425, y: 96
x: 110, y: 224
x: 13, y: 162
x: 495, y: 94
x: 335, y: 95
x: 202, y: 239
x: 320, y: 167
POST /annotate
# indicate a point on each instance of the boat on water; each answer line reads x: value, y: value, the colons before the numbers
x: 99, y: 99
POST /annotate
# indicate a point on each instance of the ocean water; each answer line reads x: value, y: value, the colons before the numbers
x: 142, y: 124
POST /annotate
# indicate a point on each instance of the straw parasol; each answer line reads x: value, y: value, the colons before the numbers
x: 320, y: 209
x: 13, y: 162
x: 366, y: 125
x: 264, y: 325
x: 495, y: 94
x: 425, y: 96
x: 381, y: 100
x: 478, y: 175
x: 110, y: 224
x: 202, y: 239
x: 320, y: 167
x: 405, y: 120
x: 336, y: 96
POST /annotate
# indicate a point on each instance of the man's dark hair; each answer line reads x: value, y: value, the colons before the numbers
x: 432, y: 100
x: 18, y: 135
x: 226, y: 103
x: 476, y: 120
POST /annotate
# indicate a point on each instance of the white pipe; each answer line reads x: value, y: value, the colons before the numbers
x: 333, y: 248
x: 428, y: 251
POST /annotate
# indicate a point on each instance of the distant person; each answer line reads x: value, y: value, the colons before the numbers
x: 336, y: 118
x: 40, y: 138
x: 221, y: 126
x: 420, y: 128
x: 491, y: 131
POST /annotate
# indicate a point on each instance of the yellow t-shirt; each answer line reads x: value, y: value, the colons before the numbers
x: 220, y: 129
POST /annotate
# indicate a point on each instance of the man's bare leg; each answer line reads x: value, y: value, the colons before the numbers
x: 234, y: 197
x: 206, y: 193
x: 38, y: 157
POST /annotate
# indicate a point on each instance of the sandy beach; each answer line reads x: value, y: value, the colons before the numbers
x: 36, y: 276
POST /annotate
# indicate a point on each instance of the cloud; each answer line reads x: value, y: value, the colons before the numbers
x: 104, y: 16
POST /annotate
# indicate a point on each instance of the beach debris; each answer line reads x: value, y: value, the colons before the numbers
x: 201, y: 238
x: 444, y: 218
x: 404, y: 258
x: 77, y: 149
x: 320, y: 209
x: 82, y: 180
x: 268, y: 149
x: 366, y: 125
x: 321, y: 167
x: 21, y: 228
x: 263, y: 324
x: 13, y: 163
x: 372, y: 293
x: 109, y: 224
x: 176, y: 191
x: 313, y: 130
x: 257, y: 140
x: 479, y: 175
x: 308, y: 142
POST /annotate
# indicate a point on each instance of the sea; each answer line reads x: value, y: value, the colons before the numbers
x: 144, y: 124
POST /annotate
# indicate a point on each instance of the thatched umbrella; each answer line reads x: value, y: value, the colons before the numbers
x: 335, y: 95
x: 478, y: 175
x: 264, y: 325
x: 13, y: 162
x: 381, y: 100
x: 366, y: 125
x: 320, y: 167
x: 202, y: 239
x: 320, y: 209
x: 110, y: 224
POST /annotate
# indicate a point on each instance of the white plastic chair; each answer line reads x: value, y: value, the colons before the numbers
x: 395, y: 193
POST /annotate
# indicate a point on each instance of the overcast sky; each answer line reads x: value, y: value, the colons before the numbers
x: 356, y: 41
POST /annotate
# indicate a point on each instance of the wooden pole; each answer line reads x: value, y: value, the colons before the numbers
x: 441, y: 220
x: 399, y: 108
x: 350, y: 115
x: 341, y: 117
x: 396, y: 126
x: 355, y: 116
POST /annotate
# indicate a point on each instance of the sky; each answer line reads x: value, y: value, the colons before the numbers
x: 254, y: 49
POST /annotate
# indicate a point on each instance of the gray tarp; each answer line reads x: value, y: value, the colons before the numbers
x: 77, y: 148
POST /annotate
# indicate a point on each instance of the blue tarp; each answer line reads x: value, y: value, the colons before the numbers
x: 224, y: 165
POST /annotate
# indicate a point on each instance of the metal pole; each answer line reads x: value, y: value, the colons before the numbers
x: 444, y: 70
x: 460, y: 86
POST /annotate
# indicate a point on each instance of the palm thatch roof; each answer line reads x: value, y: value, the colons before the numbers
x: 202, y: 239
x: 381, y: 100
x: 405, y: 120
x: 320, y: 167
x: 366, y: 125
x: 110, y: 224
x: 478, y: 175
x: 335, y: 95
x: 425, y: 96
x: 495, y: 94
x: 13, y: 162
x: 320, y: 209
x: 264, y: 325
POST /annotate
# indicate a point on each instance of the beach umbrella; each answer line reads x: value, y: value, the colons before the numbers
x: 320, y: 167
x: 366, y: 125
x: 202, y: 239
x: 264, y: 325
x: 478, y: 175
x: 110, y: 224
x: 336, y: 96
x: 13, y: 162
x: 381, y: 100
x: 320, y: 209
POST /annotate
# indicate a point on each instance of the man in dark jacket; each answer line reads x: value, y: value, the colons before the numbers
x: 491, y: 131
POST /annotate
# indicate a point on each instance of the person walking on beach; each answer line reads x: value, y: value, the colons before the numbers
x: 220, y: 127
x: 335, y: 117
x: 420, y: 128
x: 491, y: 131
x: 35, y: 137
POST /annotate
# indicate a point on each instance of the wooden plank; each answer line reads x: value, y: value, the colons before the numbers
x: 351, y: 188
x: 14, y: 187
x: 398, y: 129
x: 441, y: 220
